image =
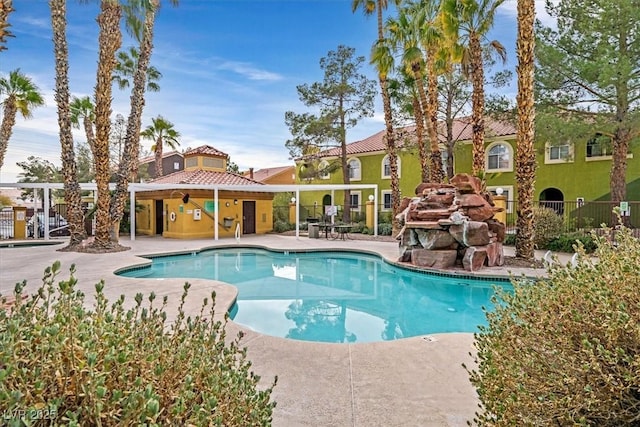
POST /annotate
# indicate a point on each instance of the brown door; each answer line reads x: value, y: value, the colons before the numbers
x: 248, y: 217
x: 159, y: 217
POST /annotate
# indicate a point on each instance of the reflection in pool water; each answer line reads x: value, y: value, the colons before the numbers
x: 334, y: 296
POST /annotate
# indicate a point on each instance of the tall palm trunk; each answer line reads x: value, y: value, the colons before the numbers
x: 422, y: 150
x: 128, y: 169
x: 390, y: 138
x: 8, y: 120
x: 72, y: 195
x: 110, y: 40
x: 6, y: 7
x: 159, y: 149
x: 425, y: 114
x: 525, y: 154
x: 477, y: 104
x: 88, y: 130
x: 436, y: 172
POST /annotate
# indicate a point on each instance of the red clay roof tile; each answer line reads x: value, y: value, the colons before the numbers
x: 205, y: 178
x: 462, y: 131
x: 205, y: 149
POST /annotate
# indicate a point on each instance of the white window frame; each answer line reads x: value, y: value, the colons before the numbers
x: 323, y: 165
x: 383, y: 207
x: 606, y: 155
x: 357, y: 177
x: 357, y: 207
x: 509, y: 167
x: 176, y: 166
x: 547, y: 154
x: 508, y: 194
x: 385, y: 159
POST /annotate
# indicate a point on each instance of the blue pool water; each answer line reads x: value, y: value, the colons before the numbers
x: 333, y: 296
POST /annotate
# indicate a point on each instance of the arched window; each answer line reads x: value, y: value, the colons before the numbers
x: 386, y: 167
x: 499, y: 157
x: 355, y: 171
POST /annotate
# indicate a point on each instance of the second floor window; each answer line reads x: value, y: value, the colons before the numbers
x: 499, y: 157
x: 354, y: 169
x: 560, y: 152
x: 599, y: 146
x: 386, y: 167
x: 323, y: 169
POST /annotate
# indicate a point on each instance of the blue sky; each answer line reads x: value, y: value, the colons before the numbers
x: 230, y: 70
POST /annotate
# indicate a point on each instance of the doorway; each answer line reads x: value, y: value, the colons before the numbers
x: 552, y: 198
x: 248, y: 217
x: 159, y: 217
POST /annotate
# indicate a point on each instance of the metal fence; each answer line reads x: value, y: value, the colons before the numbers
x: 35, y: 223
x: 583, y: 216
x: 576, y: 216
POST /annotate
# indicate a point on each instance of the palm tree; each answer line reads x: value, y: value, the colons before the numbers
x: 404, y: 37
x: 427, y: 16
x: 110, y: 39
x: 82, y: 109
x: 384, y: 66
x: 128, y: 169
x: 21, y: 95
x: 467, y: 23
x: 525, y: 154
x: 6, y: 8
x: 161, y: 132
x: 127, y: 67
x: 72, y: 195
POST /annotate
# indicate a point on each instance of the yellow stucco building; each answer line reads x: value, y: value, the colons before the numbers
x: 189, y: 214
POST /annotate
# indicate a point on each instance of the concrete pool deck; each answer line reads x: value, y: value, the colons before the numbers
x: 416, y: 381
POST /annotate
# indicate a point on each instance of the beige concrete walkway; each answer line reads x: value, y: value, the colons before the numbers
x: 416, y: 381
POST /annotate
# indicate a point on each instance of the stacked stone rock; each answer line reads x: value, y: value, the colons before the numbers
x: 451, y: 224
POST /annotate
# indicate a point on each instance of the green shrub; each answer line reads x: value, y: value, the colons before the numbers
x: 385, y: 218
x: 113, y: 366
x: 565, y: 351
x: 385, y: 229
x: 547, y: 225
x: 358, y: 228
x: 568, y: 242
x: 282, y: 226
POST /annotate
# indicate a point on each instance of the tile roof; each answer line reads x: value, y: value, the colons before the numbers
x: 262, y: 174
x: 205, y: 149
x: 462, y: 131
x: 205, y: 178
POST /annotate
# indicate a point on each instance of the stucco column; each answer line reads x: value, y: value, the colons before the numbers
x: 20, y: 223
x: 293, y: 210
x: 370, y: 214
x: 501, y: 202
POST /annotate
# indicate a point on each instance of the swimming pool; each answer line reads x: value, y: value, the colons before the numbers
x: 331, y: 296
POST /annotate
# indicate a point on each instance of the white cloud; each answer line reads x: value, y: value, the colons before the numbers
x: 249, y: 71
